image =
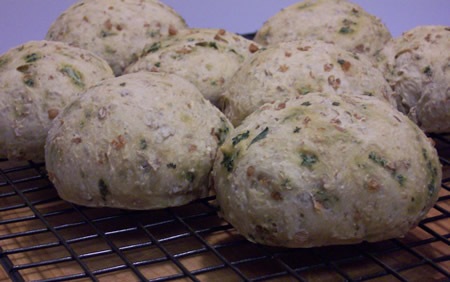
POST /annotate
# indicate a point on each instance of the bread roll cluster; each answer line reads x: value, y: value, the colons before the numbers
x: 139, y: 141
x: 114, y: 29
x: 311, y: 135
x: 37, y: 81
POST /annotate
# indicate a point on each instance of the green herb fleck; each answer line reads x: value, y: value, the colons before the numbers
x: 157, y: 64
x: 153, y: 33
x: 431, y: 189
x: 123, y: 84
x: 103, y: 189
x: 325, y: 198
x: 222, y: 132
x: 143, y: 144
x: 152, y: 48
x: 74, y: 75
x: 3, y: 60
x: 228, y: 159
x: 367, y: 93
x: 304, y: 90
x: 400, y: 179
x: 335, y: 103
x: 377, y: 159
x: 33, y: 57
x: 171, y: 165
x: 308, y: 159
x: 233, y: 51
x: 210, y: 44
x: 29, y: 81
x: 346, y: 30
x: 427, y: 71
x: 285, y: 183
x: 110, y: 50
x: 260, y: 136
x: 432, y: 172
x: 307, y: 103
x: 297, y: 129
x: 238, y: 138
x: 189, y: 176
x: 105, y: 33
x: 304, y: 6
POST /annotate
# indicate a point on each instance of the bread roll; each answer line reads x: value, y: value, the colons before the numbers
x: 206, y: 57
x: 138, y: 141
x: 289, y: 69
x: 418, y: 68
x: 339, y: 21
x: 324, y: 169
x: 37, y: 80
x: 116, y: 30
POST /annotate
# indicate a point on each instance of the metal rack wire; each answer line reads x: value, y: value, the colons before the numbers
x: 45, y: 238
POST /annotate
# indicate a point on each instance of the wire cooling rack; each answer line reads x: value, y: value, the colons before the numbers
x: 47, y: 239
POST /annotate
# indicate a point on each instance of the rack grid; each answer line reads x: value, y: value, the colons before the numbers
x: 44, y: 238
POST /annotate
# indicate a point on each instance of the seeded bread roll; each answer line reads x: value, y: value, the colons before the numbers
x: 289, y: 69
x: 324, y: 169
x: 116, y: 30
x: 138, y: 141
x: 37, y: 80
x: 206, y: 57
x: 418, y: 68
x: 339, y: 21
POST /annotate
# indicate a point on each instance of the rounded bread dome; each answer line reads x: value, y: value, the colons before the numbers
x: 37, y: 80
x: 206, y: 57
x: 138, y: 141
x: 339, y: 21
x: 289, y: 69
x: 325, y: 169
x: 116, y: 30
x: 418, y: 68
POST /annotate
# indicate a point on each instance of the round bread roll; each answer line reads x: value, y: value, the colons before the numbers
x: 116, y: 30
x: 206, y: 57
x: 138, y: 141
x: 324, y: 169
x: 289, y: 69
x: 418, y: 68
x: 339, y: 21
x: 37, y: 80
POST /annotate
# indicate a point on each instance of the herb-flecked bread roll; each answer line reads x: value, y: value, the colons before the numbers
x: 116, y: 30
x: 418, y: 68
x: 138, y: 141
x: 324, y: 169
x: 37, y: 80
x: 339, y: 21
x: 289, y: 69
x: 206, y: 57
